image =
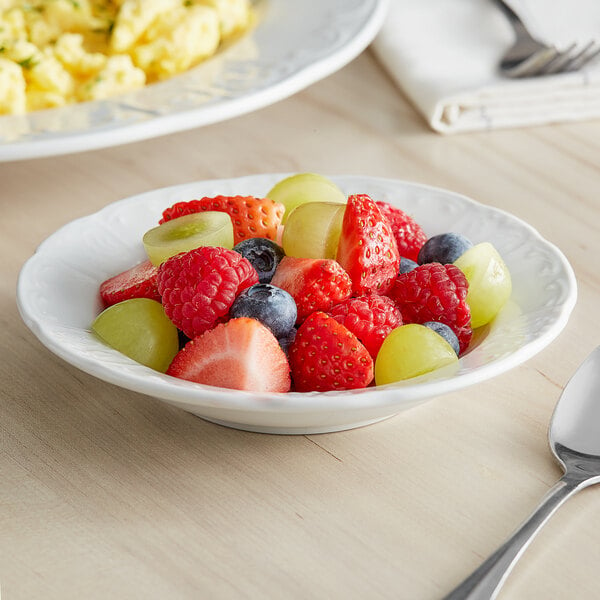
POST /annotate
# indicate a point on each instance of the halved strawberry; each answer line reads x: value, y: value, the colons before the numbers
x: 314, y: 283
x: 241, y: 354
x: 326, y: 356
x: 251, y: 217
x: 137, y: 282
x: 367, y: 248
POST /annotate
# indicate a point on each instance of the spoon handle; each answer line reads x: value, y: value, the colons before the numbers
x: 485, y: 582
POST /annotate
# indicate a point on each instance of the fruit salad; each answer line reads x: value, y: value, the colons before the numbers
x: 305, y: 290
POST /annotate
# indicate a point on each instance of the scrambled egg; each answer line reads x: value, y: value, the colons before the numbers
x: 55, y: 52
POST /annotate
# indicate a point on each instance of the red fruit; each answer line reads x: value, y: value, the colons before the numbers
x: 435, y: 292
x: 241, y: 354
x: 408, y: 233
x: 314, y: 283
x: 251, y: 217
x: 198, y: 287
x: 370, y: 318
x: 367, y: 248
x: 327, y: 356
x: 137, y: 282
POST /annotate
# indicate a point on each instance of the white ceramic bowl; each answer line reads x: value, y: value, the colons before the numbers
x: 58, y: 299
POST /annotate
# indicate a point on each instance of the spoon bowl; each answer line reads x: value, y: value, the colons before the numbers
x: 574, y: 436
x: 575, y: 425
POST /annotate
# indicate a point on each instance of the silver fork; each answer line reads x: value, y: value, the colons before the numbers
x: 529, y: 57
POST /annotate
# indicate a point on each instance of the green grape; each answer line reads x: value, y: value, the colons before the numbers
x: 139, y: 329
x: 211, y: 228
x: 305, y: 187
x: 490, y: 284
x: 313, y: 230
x: 409, y: 351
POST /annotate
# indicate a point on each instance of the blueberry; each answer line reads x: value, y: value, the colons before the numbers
x: 270, y: 305
x: 443, y: 248
x: 287, y: 340
x: 446, y: 332
x: 407, y: 265
x: 183, y: 339
x: 264, y: 255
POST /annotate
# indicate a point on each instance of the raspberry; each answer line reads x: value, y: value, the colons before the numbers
x: 251, y: 217
x: 435, y: 292
x: 326, y: 356
x: 198, y: 287
x: 370, y: 318
x: 408, y: 233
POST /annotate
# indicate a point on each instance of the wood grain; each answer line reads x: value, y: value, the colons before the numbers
x: 107, y: 493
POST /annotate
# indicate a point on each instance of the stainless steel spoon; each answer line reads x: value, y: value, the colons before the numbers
x: 574, y: 436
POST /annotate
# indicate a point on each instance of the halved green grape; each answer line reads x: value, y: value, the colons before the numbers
x: 313, y: 230
x: 305, y: 187
x: 490, y: 284
x: 139, y: 329
x: 185, y: 233
x: 409, y: 351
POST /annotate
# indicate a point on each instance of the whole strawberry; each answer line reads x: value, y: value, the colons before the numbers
x: 137, y: 282
x: 435, y: 292
x: 251, y: 217
x: 198, y: 287
x: 314, y: 283
x: 408, y: 233
x: 367, y: 247
x: 325, y: 356
x: 370, y: 318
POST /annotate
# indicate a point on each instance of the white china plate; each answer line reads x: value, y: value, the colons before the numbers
x: 58, y: 299
x: 293, y: 45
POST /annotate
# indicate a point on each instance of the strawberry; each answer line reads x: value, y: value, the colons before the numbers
x: 367, y: 248
x: 435, y: 292
x: 408, y: 233
x: 251, y: 217
x: 314, y: 283
x: 370, y: 318
x: 198, y: 287
x: 326, y: 356
x: 137, y: 282
x: 241, y: 354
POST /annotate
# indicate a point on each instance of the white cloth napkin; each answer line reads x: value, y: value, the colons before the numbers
x: 444, y: 55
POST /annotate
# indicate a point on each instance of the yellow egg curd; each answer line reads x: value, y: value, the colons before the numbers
x: 56, y: 52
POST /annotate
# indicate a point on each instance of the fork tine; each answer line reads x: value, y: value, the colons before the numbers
x: 532, y: 65
x: 561, y: 60
x: 591, y: 51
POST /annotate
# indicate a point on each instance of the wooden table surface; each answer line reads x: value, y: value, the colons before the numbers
x: 106, y: 493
